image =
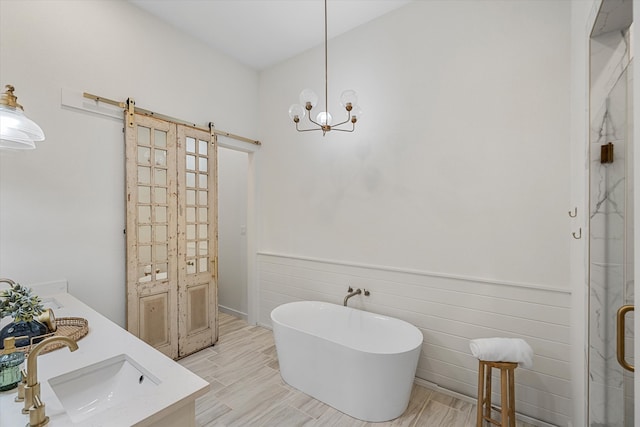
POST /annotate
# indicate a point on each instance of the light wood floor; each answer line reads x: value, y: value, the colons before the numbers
x: 247, y: 390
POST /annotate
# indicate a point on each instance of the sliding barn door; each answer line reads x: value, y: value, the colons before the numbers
x: 197, y: 240
x: 171, y: 236
x: 152, y: 303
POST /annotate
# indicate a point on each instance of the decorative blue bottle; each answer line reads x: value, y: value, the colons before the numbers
x: 10, y: 365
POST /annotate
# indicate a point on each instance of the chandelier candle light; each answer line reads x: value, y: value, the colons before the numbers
x: 308, y: 100
x: 17, y: 131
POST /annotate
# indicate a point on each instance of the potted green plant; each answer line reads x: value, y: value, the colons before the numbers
x: 23, y: 306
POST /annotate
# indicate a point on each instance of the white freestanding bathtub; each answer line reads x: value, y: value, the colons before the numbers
x: 361, y: 363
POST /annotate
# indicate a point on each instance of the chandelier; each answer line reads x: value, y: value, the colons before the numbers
x: 309, y: 99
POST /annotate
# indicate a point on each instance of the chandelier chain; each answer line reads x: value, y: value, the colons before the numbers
x: 326, y: 62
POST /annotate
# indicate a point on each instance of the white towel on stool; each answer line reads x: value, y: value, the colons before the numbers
x: 503, y: 350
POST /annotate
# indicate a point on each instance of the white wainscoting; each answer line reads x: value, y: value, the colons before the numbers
x: 449, y: 311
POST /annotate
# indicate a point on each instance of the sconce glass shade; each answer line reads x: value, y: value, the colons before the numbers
x: 296, y: 110
x: 348, y: 97
x: 307, y: 95
x: 324, y: 118
x: 17, y: 131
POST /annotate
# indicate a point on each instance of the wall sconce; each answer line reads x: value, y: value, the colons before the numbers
x: 17, y: 131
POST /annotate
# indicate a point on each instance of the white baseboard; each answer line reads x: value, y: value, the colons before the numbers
x: 233, y: 312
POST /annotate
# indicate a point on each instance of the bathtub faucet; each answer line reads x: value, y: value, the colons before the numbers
x: 351, y: 294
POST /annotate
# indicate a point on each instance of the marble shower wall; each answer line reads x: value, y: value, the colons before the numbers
x: 611, y: 228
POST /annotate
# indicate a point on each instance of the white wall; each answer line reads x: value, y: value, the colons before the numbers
x: 232, y: 234
x: 461, y: 161
x: 582, y: 16
x: 452, y: 193
x: 62, y: 205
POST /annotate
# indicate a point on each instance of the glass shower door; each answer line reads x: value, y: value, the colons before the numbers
x: 611, y: 243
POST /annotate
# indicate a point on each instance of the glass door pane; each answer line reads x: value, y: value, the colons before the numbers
x: 611, y: 268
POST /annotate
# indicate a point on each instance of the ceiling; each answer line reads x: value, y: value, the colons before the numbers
x: 261, y: 33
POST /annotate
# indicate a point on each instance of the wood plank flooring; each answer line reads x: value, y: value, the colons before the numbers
x: 247, y: 390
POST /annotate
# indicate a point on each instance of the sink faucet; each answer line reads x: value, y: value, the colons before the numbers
x: 33, y: 405
x: 9, y: 281
x: 351, y: 294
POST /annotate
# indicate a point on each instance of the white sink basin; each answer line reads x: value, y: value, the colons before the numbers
x: 90, y: 390
x: 50, y: 302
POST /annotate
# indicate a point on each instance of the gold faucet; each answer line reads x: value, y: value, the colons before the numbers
x: 33, y: 405
x: 20, y: 396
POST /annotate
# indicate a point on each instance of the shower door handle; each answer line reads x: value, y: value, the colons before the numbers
x: 622, y: 311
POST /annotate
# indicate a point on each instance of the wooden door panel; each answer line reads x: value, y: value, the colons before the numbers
x: 154, y: 319
x: 197, y: 308
x: 197, y: 239
x: 151, y: 239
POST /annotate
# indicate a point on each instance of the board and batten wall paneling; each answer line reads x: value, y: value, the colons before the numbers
x: 450, y: 311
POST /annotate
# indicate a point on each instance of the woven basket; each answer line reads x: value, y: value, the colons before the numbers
x: 72, y: 327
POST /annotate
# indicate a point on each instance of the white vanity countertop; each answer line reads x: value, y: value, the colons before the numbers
x: 178, y: 386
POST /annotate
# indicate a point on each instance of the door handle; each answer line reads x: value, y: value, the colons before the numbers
x: 622, y: 311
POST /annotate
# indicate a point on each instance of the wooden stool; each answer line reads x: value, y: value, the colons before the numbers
x: 508, y: 406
